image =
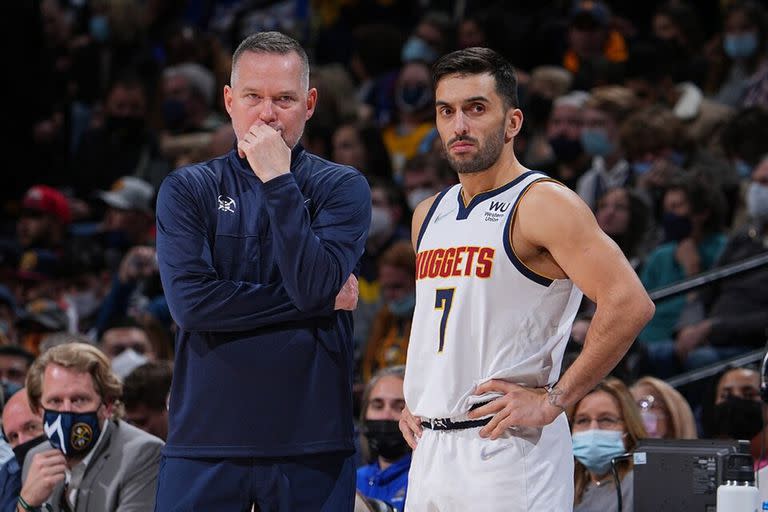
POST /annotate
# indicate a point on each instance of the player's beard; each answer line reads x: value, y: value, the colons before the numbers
x: 487, y: 153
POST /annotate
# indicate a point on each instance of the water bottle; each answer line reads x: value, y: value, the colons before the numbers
x: 738, y: 492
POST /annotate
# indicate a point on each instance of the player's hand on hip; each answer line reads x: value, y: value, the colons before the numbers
x: 347, y: 296
x: 410, y: 426
x: 47, y: 469
x: 266, y: 151
x: 518, y: 407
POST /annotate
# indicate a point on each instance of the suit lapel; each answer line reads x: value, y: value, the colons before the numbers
x: 83, y: 479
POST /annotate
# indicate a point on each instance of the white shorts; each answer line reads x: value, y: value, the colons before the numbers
x: 527, y: 470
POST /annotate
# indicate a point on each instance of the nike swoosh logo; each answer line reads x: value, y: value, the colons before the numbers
x: 486, y: 452
x: 443, y: 215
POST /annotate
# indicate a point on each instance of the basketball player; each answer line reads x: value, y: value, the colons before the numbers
x: 502, y: 261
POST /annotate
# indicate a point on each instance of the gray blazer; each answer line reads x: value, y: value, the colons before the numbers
x: 120, y: 477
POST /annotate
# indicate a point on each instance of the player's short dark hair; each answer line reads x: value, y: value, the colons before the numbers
x: 478, y: 61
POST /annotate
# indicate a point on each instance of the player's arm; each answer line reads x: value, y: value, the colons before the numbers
x: 553, y: 218
x: 569, y: 232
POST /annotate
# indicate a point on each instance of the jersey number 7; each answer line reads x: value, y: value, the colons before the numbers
x: 443, y: 301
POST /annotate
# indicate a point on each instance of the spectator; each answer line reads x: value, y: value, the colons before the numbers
x: 387, y: 343
x: 605, y: 424
x: 386, y: 475
x: 111, y: 464
x: 145, y: 395
x: 42, y: 318
x: 45, y: 216
x: 564, y: 126
x: 360, y: 144
x: 9, y: 313
x: 14, y: 365
x: 676, y: 25
x: 693, y: 240
x: 127, y: 344
x: 667, y: 414
x: 604, y: 111
x: 23, y: 430
x: 742, y: 53
x: 624, y: 216
x: 425, y: 175
x: 432, y: 37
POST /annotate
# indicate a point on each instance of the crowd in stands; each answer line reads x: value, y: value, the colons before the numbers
x: 655, y: 113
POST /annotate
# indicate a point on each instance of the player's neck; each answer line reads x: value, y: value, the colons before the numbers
x: 506, y: 169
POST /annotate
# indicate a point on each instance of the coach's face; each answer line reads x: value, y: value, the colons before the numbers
x: 270, y: 89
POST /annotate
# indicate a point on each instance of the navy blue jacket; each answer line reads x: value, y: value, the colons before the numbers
x: 251, y: 270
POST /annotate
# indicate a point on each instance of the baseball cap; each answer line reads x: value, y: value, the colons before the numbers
x: 129, y: 193
x: 44, y: 314
x: 45, y: 199
x: 590, y: 14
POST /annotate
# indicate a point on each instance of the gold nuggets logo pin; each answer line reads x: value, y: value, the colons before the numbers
x: 81, y: 437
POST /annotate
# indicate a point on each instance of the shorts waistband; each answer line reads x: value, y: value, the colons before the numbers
x: 449, y: 424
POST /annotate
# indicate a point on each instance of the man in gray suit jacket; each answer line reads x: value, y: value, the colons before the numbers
x: 93, y: 461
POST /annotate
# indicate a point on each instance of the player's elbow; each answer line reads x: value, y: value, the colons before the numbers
x: 643, y: 307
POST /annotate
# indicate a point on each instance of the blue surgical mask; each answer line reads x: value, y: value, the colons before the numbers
x: 740, y: 46
x: 403, y: 307
x: 596, y: 142
x: 640, y: 168
x: 743, y: 169
x: 757, y: 202
x: 411, y: 98
x: 75, y: 434
x: 595, y: 449
x: 416, y: 48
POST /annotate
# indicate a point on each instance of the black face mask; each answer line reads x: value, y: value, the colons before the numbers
x: 738, y: 418
x: 538, y: 108
x: 21, y: 450
x: 385, y: 439
x: 676, y: 227
x: 125, y: 127
x: 565, y: 149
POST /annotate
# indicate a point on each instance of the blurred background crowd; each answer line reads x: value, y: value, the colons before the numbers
x: 654, y: 112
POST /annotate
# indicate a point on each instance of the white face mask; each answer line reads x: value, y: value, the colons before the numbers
x: 85, y: 303
x: 417, y: 195
x: 757, y: 202
x: 381, y: 222
x: 126, y: 361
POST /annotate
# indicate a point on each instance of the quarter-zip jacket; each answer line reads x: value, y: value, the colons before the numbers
x: 251, y: 270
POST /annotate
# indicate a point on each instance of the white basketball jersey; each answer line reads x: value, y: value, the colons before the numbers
x: 480, y: 313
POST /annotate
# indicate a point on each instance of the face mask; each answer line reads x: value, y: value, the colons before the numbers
x: 595, y: 449
x: 385, y: 439
x: 98, y: 26
x: 743, y: 169
x: 738, y: 418
x: 381, y: 222
x: 174, y: 114
x: 116, y: 239
x: 757, y: 202
x: 411, y: 98
x: 565, y: 149
x: 403, y: 307
x: 21, y: 450
x: 75, y: 434
x: 85, y: 303
x: 128, y: 128
x: 640, y: 168
x: 417, y: 49
x: 416, y: 196
x: 740, y: 46
x: 127, y: 361
x: 596, y: 143
x: 676, y: 227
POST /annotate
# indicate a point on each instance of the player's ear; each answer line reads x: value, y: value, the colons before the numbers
x: 513, y: 123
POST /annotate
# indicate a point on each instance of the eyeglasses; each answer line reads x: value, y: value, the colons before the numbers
x: 603, y: 422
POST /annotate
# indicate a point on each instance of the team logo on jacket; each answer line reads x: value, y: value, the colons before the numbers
x: 227, y: 204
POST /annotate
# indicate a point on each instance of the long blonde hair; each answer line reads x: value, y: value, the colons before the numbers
x: 633, y: 426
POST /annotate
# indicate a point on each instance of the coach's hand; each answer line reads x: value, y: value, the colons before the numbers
x: 347, y: 296
x: 518, y: 407
x: 266, y: 151
x: 410, y: 426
